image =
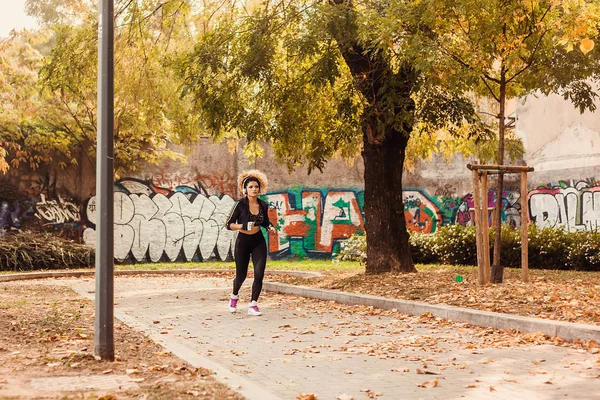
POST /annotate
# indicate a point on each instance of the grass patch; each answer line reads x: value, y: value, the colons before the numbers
x: 325, y: 266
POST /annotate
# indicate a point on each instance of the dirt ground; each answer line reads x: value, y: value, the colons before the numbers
x: 47, y: 331
x: 558, y: 295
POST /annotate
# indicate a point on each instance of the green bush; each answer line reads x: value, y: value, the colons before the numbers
x: 353, y: 249
x: 549, y: 248
x: 28, y: 251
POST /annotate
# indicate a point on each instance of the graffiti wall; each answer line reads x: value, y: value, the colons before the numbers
x: 425, y: 213
x: 176, y: 220
x: 312, y: 222
x: 574, y: 206
x: 154, y: 224
x: 32, y: 211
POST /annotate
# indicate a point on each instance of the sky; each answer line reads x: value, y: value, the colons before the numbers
x: 13, y: 16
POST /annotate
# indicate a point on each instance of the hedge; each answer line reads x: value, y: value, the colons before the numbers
x: 549, y: 248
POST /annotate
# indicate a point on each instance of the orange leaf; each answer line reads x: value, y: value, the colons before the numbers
x: 586, y: 45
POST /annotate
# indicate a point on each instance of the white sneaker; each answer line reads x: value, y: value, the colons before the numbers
x: 253, y: 308
x: 233, y: 299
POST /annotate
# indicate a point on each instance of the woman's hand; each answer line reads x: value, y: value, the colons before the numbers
x: 252, y: 230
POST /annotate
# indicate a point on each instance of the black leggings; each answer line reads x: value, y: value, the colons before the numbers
x: 245, y: 245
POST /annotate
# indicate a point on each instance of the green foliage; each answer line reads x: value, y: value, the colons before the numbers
x: 275, y: 76
x: 30, y: 251
x: 353, y: 249
x: 549, y: 248
x: 49, y: 85
x: 497, y: 50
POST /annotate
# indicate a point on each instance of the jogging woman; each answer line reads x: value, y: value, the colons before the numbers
x: 247, y: 216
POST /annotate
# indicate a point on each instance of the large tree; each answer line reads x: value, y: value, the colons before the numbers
x: 509, y: 49
x: 315, y: 81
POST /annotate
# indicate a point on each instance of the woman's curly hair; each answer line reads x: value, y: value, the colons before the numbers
x: 263, y: 182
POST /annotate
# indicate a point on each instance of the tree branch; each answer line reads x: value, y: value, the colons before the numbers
x: 490, y: 89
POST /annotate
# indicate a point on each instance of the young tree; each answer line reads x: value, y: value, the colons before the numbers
x: 509, y: 49
x: 317, y: 80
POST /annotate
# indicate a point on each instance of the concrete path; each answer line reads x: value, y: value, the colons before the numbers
x: 338, y: 351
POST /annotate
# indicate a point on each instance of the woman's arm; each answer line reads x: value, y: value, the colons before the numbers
x: 266, y: 222
x: 234, y: 215
x: 234, y: 219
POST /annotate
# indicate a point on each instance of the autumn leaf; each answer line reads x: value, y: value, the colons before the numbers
x: 586, y: 45
x: 429, y: 384
x: 306, y: 396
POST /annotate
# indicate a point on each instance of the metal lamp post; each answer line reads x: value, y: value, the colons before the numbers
x: 104, y: 325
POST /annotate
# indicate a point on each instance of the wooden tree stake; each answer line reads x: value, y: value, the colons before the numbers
x: 485, y: 228
x: 524, y: 229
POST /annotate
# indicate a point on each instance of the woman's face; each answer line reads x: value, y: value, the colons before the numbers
x: 252, y: 189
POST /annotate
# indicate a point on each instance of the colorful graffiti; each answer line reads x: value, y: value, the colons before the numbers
x: 421, y: 212
x: 574, y: 206
x: 311, y: 222
x: 464, y: 214
x: 425, y: 213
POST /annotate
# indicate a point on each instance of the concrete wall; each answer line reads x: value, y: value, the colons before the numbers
x: 564, y: 148
x: 176, y: 212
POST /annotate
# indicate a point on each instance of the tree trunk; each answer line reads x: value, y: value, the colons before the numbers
x: 388, y: 95
x: 497, y: 275
x: 387, y: 238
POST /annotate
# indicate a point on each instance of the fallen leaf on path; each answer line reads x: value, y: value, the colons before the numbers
x: 420, y: 371
x: 306, y: 396
x: 429, y: 384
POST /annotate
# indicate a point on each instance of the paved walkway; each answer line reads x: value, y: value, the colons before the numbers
x: 337, y: 351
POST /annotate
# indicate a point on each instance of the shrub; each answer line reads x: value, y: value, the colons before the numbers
x: 583, y: 251
x: 26, y: 251
x: 353, y: 249
x: 549, y: 248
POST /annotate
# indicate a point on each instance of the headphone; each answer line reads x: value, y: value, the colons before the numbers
x: 244, y: 190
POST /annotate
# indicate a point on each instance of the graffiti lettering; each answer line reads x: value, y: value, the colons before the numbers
x: 57, y: 212
x: 167, y: 228
x: 574, y: 208
x: 317, y: 223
